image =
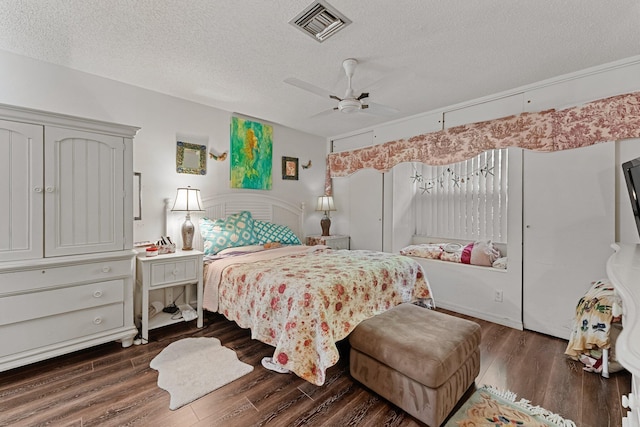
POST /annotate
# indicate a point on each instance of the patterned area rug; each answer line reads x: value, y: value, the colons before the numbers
x: 192, y: 367
x: 493, y: 408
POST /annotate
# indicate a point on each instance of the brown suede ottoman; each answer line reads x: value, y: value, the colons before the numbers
x: 421, y: 360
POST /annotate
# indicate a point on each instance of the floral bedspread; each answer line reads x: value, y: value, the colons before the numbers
x: 303, y: 301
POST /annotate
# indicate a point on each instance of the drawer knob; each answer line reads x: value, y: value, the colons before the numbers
x: 106, y: 269
x: 50, y: 189
x: 175, y: 272
x: 97, y: 294
x: 97, y: 320
x: 37, y: 189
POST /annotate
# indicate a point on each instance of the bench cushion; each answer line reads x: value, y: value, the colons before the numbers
x: 425, y: 345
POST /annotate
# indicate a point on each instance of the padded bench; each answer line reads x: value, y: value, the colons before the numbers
x: 421, y: 360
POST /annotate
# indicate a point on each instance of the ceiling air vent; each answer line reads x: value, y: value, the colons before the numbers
x: 320, y: 21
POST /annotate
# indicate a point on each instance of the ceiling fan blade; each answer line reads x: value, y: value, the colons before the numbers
x: 308, y: 87
x: 381, y: 110
x: 335, y: 97
x: 362, y: 96
x: 323, y: 113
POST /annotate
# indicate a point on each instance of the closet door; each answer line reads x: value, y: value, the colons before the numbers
x: 365, y: 216
x: 359, y: 199
x: 84, y: 192
x: 21, y: 191
x: 569, y: 224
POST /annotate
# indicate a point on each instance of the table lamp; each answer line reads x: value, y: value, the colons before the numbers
x: 325, y: 203
x: 187, y: 200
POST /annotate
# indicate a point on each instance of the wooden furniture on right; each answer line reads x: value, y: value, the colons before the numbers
x: 334, y: 242
x: 66, y: 234
x: 181, y: 268
x: 623, y: 270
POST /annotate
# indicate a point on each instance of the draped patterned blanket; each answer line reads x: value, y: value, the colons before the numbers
x: 592, y: 327
x: 302, y: 301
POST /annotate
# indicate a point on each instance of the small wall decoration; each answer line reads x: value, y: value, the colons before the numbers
x: 191, y: 158
x: 220, y: 157
x: 307, y: 166
x: 251, y: 154
x: 290, y: 168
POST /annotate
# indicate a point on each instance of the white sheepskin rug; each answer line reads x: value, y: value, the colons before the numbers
x: 193, y: 367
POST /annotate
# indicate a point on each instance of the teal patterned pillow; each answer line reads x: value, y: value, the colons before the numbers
x: 235, y: 230
x: 267, y: 232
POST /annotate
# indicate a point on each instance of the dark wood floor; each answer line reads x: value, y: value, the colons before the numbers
x: 111, y: 386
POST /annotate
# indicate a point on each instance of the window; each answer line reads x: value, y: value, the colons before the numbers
x: 465, y: 200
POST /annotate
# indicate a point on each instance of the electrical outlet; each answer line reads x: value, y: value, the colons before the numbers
x: 497, y: 296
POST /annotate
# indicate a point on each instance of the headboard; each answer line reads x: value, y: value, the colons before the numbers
x: 262, y: 207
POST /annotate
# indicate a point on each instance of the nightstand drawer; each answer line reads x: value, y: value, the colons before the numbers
x: 178, y: 269
x: 163, y: 273
x: 339, y: 243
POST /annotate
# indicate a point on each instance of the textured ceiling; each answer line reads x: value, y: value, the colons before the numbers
x: 414, y: 55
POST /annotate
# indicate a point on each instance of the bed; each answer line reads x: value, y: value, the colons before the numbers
x: 299, y: 299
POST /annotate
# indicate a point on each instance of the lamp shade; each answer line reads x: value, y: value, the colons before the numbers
x: 325, y: 203
x: 187, y: 199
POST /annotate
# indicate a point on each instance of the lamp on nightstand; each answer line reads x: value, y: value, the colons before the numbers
x: 187, y: 200
x: 325, y: 203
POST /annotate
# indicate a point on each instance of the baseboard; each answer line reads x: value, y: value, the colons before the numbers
x: 511, y: 323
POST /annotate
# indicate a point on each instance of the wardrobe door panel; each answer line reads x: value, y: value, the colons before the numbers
x: 84, y: 192
x: 21, y: 191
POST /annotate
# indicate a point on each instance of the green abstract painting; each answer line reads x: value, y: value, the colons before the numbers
x: 251, y: 154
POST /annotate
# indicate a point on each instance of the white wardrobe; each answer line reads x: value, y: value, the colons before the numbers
x: 66, y: 215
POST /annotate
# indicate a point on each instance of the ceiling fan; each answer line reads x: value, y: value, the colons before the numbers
x: 349, y: 103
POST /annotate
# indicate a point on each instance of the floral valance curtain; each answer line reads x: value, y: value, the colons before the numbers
x: 609, y: 119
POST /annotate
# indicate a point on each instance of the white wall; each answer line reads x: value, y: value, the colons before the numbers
x: 34, y: 84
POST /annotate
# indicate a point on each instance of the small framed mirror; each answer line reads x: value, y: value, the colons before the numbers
x: 191, y: 158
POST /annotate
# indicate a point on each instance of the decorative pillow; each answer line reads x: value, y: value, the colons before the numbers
x: 235, y: 230
x: 266, y: 232
x: 424, y: 250
x: 500, y: 263
x: 484, y: 253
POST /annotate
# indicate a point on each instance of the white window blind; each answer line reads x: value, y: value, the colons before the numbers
x: 465, y: 200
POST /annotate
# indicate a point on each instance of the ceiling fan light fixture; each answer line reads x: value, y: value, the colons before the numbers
x: 349, y: 105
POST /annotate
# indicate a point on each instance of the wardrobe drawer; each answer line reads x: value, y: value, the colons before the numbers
x: 173, y: 271
x: 50, y: 276
x: 18, y: 308
x: 44, y: 331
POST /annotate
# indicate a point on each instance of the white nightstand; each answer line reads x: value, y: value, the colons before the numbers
x: 334, y: 242
x: 181, y: 268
